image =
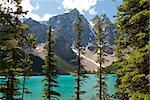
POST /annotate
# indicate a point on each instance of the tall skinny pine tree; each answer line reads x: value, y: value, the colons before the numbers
x: 101, y: 44
x: 49, y: 70
x: 80, y: 69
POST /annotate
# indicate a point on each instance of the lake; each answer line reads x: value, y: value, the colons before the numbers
x: 67, y: 90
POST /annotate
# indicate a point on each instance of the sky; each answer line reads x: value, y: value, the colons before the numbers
x: 42, y: 10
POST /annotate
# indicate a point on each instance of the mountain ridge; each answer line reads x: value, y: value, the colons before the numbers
x: 65, y: 35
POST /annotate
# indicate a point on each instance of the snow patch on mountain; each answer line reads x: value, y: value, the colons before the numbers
x: 91, y: 26
x: 74, y: 49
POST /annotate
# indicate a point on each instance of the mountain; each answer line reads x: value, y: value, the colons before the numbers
x: 37, y: 28
x: 109, y: 31
x: 63, y: 26
x: 38, y: 55
x: 65, y: 36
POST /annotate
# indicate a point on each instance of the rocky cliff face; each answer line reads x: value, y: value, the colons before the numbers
x: 109, y: 31
x: 63, y: 27
x: 37, y: 28
x: 65, y: 35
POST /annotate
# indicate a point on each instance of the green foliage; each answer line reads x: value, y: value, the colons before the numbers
x: 80, y: 77
x: 109, y: 70
x: 132, y: 50
x: 93, y: 98
x: 26, y: 71
x: 31, y: 39
x: 49, y: 70
x: 12, y: 42
x: 139, y: 96
x: 63, y: 66
x: 100, y: 50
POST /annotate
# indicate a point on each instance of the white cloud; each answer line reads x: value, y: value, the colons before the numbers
x: 81, y: 5
x: 92, y: 11
x: 27, y: 6
x: 33, y: 16
x: 47, y: 16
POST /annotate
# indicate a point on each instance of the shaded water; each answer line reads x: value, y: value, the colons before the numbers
x: 67, y: 90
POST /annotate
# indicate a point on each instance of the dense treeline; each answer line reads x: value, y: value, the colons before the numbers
x: 133, y: 50
x: 13, y: 42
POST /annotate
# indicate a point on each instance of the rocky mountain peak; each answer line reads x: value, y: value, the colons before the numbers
x: 74, y: 11
x: 37, y: 28
x: 64, y: 32
x: 31, y: 22
x: 103, y: 17
x: 109, y: 30
x: 63, y: 26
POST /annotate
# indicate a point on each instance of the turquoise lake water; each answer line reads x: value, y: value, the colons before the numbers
x: 67, y: 90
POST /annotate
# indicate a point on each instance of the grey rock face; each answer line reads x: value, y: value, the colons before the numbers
x: 64, y: 32
x: 37, y: 28
x: 109, y: 31
x: 63, y: 26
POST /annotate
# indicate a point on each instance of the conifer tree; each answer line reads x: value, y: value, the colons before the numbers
x: 133, y: 27
x: 12, y: 42
x: 49, y: 70
x: 26, y: 72
x: 80, y: 69
x: 101, y: 44
x: 120, y: 61
x: 27, y: 63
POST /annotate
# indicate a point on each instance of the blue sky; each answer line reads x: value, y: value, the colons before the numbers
x: 44, y: 9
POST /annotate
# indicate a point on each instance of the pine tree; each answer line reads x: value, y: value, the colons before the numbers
x: 80, y: 69
x: 49, y: 70
x: 101, y: 45
x: 27, y: 63
x: 26, y: 72
x: 19, y: 64
x: 12, y: 42
x: 133, y: 27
